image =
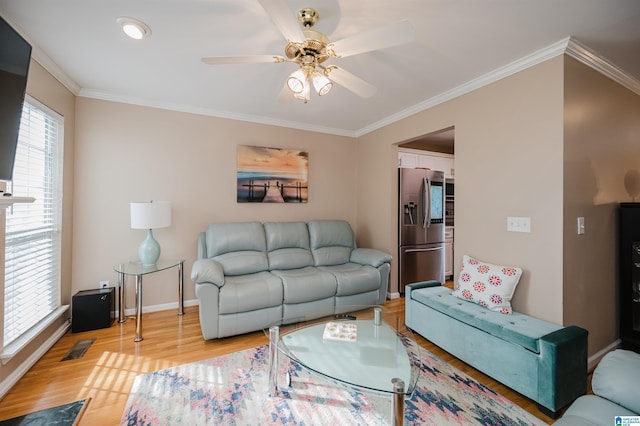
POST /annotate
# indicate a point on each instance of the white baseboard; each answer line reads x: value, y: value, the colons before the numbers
x: 393, y: 295
x: 594, y: 359
x: 22, y: 369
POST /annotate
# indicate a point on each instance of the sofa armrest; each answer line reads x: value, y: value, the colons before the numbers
x: 563, y: 367
x: 422, y: 284
x: 207, y: 271
x: 371, y: 257
x: 408, y: 299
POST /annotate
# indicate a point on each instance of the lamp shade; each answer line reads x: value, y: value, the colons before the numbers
x: 151, y: 215
x: 321, y: 83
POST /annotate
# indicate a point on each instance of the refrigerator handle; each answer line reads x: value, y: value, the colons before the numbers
x: 426, y: 221
x: 423, y: 250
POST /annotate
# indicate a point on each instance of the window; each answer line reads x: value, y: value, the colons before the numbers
x: 32, y: 241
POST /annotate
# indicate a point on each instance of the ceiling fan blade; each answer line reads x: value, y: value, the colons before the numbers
x: 351, y: 82
x: 218, y: 60
x: 285, y: 94
x: 400, y: 32
x: 284, y: 19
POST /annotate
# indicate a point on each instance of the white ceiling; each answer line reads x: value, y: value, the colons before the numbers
x: 459, y: 45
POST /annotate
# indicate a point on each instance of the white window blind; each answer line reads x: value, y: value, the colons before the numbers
x: 32, y: 241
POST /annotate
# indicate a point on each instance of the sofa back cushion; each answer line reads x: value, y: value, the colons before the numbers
x: 332, y: 242
x: 240, y: 247
x: 288, y: 245
x: 616, y: 378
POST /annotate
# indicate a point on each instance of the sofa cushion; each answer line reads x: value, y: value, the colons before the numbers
x: 488, y: 285
x: 590, y: 410
x: 245, y: 293
x: 518, y: 328
x: 354, y: 278
x: 617, y: 377
x: 306, y: 284
x: 331, y: 241
x: 288, y: 245
x: 240, y: 247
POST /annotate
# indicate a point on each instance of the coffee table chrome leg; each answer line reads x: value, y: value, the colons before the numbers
x: 121, y: 317
x: 138, y: 337
x: 181, y: 288
x: 274, y: 335
x: 397, y: 406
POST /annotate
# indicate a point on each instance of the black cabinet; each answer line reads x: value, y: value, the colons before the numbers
x: 93, y: 309
x: 629, y: 275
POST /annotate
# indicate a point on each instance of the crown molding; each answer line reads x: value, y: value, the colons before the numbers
x: 511, y: 68
x: 582, y: 53
x: 48, y: 64
x: 568, y: 46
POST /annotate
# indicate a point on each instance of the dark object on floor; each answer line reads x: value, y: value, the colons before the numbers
x: 78, y: 350
x: 62, y: 415
x: 93, y: 309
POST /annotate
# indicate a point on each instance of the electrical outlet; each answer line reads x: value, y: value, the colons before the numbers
x: 104, y: 284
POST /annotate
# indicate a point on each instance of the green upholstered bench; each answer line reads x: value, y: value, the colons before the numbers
x: 543, y: 361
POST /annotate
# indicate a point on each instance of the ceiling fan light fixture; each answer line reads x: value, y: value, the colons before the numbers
x: 297, y: 81
x: 321, y: 83
x: 304, y: 95
x: 134, y: 28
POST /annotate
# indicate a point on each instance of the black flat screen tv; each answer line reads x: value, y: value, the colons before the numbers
x: 15, y: 55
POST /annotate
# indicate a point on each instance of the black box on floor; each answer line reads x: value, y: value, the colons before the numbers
x: 93, y: 309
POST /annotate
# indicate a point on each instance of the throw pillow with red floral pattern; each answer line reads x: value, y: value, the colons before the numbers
x: 488, y: 285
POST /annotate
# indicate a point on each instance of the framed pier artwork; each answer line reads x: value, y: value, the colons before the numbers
x: 272, y: 175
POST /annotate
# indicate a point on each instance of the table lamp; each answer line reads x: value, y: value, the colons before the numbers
x: 149, y: 216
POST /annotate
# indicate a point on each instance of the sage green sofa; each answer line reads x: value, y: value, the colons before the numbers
x: 251, y: 275
x: 543, y: 361
x: 616, y: 393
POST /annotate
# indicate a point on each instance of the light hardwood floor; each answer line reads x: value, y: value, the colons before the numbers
x: 107, y: 370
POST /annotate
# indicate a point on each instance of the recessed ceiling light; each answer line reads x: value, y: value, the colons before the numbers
x: 134, y: 28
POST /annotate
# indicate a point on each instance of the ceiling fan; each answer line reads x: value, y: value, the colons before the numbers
x: 310, y: 49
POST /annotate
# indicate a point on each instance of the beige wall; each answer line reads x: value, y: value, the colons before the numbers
x: 129, y: 153
x: 508, y: 151
x: 46, y: 89
x: 602, y: 143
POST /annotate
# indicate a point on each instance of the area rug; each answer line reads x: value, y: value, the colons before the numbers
x: 62, y: 415
x: 233, y: 390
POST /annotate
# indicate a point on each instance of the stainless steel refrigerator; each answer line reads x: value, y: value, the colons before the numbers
x: 421, y: 226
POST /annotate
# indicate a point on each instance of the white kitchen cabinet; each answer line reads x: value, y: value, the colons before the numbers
x: 436, y: 162
x: 407, y: 160
x: 427, y: 160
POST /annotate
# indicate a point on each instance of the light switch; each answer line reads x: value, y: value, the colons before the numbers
x: 519, y: 224
x: 581, y: 225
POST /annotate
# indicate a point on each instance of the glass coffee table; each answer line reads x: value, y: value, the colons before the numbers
x: 368, y: 348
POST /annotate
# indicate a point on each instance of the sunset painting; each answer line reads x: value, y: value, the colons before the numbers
x: 272, y: 175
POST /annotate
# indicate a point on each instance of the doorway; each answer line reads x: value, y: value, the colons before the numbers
x: 434, y: 151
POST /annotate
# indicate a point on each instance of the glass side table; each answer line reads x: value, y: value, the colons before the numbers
x: 137, y: 270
